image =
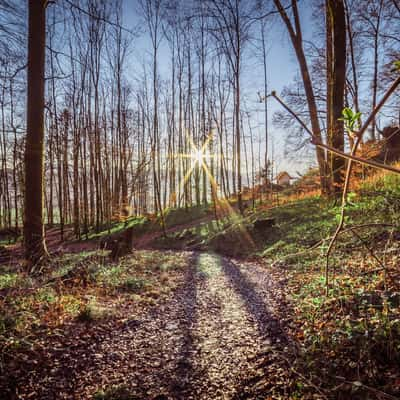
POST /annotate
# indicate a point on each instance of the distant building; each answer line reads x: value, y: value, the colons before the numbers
x: 283, y: 179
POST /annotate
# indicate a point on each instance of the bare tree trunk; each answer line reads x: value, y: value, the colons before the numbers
x: 264, y: 54
x: 237, y: 130
x: 34, y: 239
x: 297, y: 41
x: 336, y: 77
x: 66, y: 186
x: 376, y: 67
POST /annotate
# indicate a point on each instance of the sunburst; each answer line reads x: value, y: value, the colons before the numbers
x: 199, y: 155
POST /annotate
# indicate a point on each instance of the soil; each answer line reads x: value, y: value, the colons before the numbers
x: 220, y: 335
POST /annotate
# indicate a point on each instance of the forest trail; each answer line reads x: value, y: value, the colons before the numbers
x: 55, y: 245
x: 218, y: 336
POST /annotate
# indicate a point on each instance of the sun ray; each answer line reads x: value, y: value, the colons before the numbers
x: 228, y: 209
x: 199, y: 157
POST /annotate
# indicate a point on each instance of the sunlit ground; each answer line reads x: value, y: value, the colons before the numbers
x: 199, y: 155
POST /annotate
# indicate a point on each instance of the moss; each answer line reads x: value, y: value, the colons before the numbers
x: 8, y: 280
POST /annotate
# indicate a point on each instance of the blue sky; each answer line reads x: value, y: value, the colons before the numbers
x: 282, y: 68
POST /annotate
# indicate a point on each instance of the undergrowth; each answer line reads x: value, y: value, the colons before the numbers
x: 350, y: 339
x: 81, y: 288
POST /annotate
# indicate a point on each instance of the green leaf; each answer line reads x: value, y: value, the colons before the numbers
x: 396, y: 66
x: 350, y: 118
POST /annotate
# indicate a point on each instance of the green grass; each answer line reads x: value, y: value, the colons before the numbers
x: 8, y: 280
x: 357, y: 325
x: 307, y: 222
x: 298, y: 226
x: 139, y: 224
x: 83, y: 287
x: 180, y: 216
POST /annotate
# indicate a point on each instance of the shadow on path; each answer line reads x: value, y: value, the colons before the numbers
x: 186, y: 372
x: 193, y: 346
x: 272, y: 377
x: 269, y: 326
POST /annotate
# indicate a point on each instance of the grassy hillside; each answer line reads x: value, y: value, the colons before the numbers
x: 351, y: 338
x: 353, y: 334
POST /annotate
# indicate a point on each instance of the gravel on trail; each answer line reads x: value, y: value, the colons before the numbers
x: 219, y: 336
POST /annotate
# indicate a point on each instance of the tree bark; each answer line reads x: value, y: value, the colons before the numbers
x: 336, y: 77
x: 34, y: 239
x: 297, y: 41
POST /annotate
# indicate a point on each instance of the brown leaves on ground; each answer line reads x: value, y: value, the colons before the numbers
x: 190, y: 325
x: 218, y: 335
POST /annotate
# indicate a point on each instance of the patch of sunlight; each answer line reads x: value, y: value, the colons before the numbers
x: 209, y: 264
x: 8, y: 280
x: 92, y: 311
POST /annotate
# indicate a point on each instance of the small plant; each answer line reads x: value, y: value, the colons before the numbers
x: 46, y: 295
x: 11, y: 280
x: 350, y: 119
x: 134, y: 285
x: 119, y: 392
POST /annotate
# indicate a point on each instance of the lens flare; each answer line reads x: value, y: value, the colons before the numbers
x: 199, y: 156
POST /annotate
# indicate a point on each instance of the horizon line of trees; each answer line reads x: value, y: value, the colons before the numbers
x: 113, y: 147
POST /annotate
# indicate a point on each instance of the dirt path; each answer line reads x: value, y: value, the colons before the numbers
x: 14, y: 253
x: 218, y: 337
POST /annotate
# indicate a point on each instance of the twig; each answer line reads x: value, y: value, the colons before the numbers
x: 316, y: 245
x: 317, y: 142
x: 371, y: 389
x: 305, y: 379
x: 372, y: 224
x: 350, y: 229
x: 97, y: 17
x: 360, y: 160
x: 346, y: 186
x: 370, y: 251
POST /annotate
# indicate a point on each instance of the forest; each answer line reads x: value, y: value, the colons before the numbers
x: 199, y: 199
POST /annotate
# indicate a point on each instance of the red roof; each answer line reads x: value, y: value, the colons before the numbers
x: 282, y: 174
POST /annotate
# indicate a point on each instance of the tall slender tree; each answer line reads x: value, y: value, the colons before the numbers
x: 296, y: 37
x: 34, y: 239
x: 336, y: 77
